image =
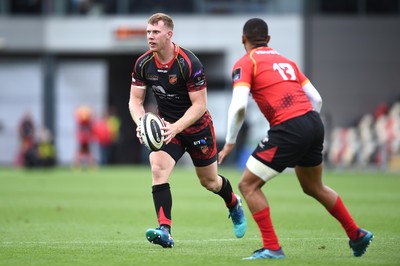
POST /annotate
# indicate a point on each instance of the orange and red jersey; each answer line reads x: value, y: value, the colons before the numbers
x: 275, y: 83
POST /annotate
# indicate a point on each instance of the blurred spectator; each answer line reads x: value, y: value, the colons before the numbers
x: 102, y: 131
x: 114, y: 124
x: 106, y: 130
x: 36, y: 148
x: 26, y: 129
x: 46, y: 154
x: 85, y: 137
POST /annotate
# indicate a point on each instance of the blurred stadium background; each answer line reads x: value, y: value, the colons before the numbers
x: 56, y: 56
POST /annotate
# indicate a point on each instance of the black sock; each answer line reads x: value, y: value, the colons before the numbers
x: 226, y: 192
x: 162, y: 199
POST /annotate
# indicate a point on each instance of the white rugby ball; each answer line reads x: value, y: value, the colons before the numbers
x: 150, y: 130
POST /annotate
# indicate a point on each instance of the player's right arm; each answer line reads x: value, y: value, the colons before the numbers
x: 136, y: 107
x: 236, y: 116
x: 242, y: 75
x: 138, y: 88
x: 136, y: 102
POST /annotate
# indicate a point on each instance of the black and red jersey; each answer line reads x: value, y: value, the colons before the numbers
x: 172, y: 82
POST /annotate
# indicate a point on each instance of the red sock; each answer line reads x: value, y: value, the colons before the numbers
x: 340, y: 212
x: 263, y: 220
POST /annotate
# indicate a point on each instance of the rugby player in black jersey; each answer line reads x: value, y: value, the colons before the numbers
x: 177, y: 79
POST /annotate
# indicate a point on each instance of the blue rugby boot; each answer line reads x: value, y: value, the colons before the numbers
x: 238, y: 218
x: 160, y: 236
x: 359, y: 246
x: 264, y: 253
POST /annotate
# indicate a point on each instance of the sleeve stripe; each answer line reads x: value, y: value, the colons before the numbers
x: 304, y: 82
x: 242, y: 84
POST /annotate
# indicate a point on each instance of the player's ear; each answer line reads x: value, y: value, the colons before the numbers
x: 268, y: 38
x: 170, y: 33
x: 243, y: 39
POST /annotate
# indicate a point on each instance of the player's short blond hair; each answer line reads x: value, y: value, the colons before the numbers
x: 168, y: 22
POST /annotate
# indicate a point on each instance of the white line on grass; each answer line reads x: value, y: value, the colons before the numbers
x: 113, y: 242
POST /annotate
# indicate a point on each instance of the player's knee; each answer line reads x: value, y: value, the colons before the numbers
x: 160, y: 172
x: 312, y: 191
x: 210, y: 187
x: 242, y: 185
x: 243, y: 188
x: 247, y: 188
x: 156, y: 169
x: 161, y: 161
x: 307, y: 191
x: 209, y: 184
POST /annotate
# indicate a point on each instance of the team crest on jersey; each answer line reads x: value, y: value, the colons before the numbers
x: 237, y: 73
x: 173, y: 79
x: 199, y: 81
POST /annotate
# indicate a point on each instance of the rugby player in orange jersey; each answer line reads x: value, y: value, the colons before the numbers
x: 291, y: 104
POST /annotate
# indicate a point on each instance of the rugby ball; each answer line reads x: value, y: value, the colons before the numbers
x: 150, y: 131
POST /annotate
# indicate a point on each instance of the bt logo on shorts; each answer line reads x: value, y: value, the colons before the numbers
x: 200, y: 142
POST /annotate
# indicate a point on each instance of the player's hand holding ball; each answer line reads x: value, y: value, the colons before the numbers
x: 150, y: 131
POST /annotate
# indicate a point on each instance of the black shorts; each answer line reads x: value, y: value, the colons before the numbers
x: 201, y: 146
x: 297, y: 141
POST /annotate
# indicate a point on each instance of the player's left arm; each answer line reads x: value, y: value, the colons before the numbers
x: 194, y: 113
x: 313, y: 95
x: 311, y: 92
x: 197, y: 90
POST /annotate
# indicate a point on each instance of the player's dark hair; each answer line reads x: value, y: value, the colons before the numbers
x: 154, y: 19
x: 256, y: 30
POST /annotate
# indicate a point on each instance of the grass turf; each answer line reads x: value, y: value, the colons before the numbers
x: 64, y: 217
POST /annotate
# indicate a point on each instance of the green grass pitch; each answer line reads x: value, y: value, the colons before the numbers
x: 99, y: 217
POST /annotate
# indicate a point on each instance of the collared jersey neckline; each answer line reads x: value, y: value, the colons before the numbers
x: 169, y: 64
